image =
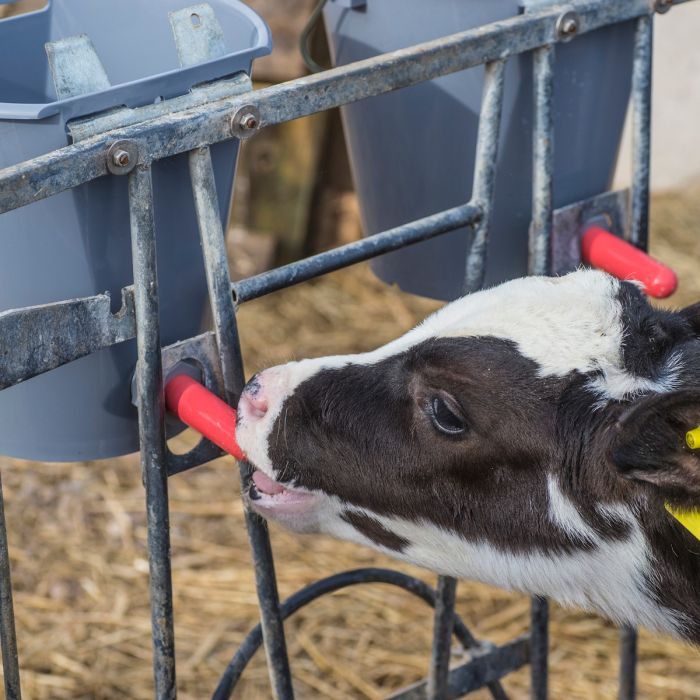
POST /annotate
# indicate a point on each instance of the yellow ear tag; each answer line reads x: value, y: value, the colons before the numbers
x: 689, y: 519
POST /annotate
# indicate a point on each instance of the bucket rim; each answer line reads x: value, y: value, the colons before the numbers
x: 136, y: 93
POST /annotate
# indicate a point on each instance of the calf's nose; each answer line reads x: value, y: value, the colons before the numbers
x: 254, y: 402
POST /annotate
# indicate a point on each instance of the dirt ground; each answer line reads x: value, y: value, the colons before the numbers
x: 77, y: 538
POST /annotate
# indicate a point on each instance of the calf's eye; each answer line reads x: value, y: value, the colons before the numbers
x: 446, y: 417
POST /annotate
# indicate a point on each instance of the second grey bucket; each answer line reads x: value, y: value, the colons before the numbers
x: 77, y: 243
x: 412, y: 151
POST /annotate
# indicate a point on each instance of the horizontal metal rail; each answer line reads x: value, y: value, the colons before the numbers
x: 189, y: 129
x: 366, y: 249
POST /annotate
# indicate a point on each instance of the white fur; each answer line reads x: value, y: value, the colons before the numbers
x: 564, y: 514
x: 610, y: 577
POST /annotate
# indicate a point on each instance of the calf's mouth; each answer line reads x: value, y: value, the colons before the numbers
x: 269, y: 497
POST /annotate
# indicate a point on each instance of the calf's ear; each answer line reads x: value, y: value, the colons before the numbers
x: 648, y: 444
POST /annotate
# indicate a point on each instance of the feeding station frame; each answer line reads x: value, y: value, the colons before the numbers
x: 109, y: 145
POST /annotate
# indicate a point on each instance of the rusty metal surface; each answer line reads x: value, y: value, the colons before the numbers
x: 149, y: 382
x: 40, y: 338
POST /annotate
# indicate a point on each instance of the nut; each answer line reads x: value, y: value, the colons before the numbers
x: 249, y: 121
x: 568, y: 26
x: 245, y: 122
x: 122, y: 157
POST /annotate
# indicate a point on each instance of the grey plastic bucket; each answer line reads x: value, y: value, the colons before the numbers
x: 412, y: 151
x: 77, y: 243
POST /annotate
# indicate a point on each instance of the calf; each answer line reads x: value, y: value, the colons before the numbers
x: 528, y: 436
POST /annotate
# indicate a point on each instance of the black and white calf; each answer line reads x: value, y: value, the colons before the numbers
x: 527, y: 436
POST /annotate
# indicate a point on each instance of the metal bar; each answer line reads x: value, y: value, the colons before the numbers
x: 37, y: 339
x: 81, y: 129
x: 149, y: 382
x: 331, y: 584
x: 482, y: 670
x: 641, y: 131
x: 628, y: 663
x: 8, y: 638
x: 539, y: 648
x: 352, y: 253
x: 485, y: 172
x: 226, y: 330
x: 216, y: 266
x: 207, y: 124
x: 539, y: 261
x: 442, y: 638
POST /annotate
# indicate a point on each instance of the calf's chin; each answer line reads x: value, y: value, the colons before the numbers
x: 503, y: 442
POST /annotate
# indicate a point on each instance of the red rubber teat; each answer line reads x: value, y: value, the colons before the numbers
x: 603, y: 250
x: 204, y: 411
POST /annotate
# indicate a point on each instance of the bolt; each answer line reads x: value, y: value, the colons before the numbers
x: 249, y: 122
x: 245, y: 122
x: 567, y: 26
x: 121, y: 158
x: 663, y: 6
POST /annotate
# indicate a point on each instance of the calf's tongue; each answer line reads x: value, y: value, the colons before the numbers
x: 266, y: 485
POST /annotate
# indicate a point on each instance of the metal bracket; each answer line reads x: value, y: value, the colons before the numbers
x: 569, y: 224
x: 37, y: 339
x: 202, y: 352
x: 76, y: 68
x: 198, y: 34
x: 199, y: 358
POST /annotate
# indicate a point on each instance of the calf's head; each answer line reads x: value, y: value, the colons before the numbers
x: 527, y: 436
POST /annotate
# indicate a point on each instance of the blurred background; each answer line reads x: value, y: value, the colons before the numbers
x: 77, y: 531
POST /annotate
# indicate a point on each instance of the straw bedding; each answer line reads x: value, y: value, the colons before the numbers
x: 77, y: 537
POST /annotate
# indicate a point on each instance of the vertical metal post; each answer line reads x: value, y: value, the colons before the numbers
x: 226, y: 330
x: 539, y: 261
x: 149, y: 383
x: 8, y: 639
x: 539, y: 648
x: 485, y: 171
x: 639, y: 235
x: 442, y: 638
x: 628, y: 663
x: 641, y: 131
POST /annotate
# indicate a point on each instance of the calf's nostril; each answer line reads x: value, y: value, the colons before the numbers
x: 253, y: 404
x: 259, y: 404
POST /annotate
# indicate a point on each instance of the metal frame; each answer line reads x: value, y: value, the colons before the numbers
x: 192, y: 125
